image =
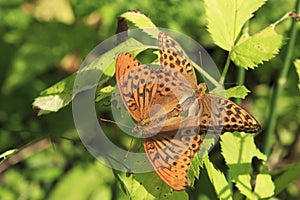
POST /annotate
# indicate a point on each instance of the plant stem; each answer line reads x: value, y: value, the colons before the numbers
x: 241, y: 71
x: 280, y: 85
x: 240, y: 81
x: 206, y: 75
x: 225, y: 70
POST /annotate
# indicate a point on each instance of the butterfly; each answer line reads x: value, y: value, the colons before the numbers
x: 214, y: 111
x: 156, y: 99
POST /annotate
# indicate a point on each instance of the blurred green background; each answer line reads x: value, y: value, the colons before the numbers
x: 44, y: 41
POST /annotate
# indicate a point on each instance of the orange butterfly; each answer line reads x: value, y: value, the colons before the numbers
x: 157, y: 98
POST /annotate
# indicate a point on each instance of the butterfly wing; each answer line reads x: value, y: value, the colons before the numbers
x: 172, y: 89
x: 170, y: 153
x: 142, y: 87
x: 133, y: 79
x: 218, y: 114
x: 173, y: 56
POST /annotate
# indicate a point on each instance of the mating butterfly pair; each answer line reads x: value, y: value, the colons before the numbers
x: 157, y: 100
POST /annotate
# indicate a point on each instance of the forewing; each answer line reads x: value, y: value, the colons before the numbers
x: 137, y: 84
x: 222, y: 115
x: 173, y: 56
x: 149, y: 93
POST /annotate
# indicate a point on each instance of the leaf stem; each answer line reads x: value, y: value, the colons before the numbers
x: 225, y: 70
x: 278, y: 88
x: 240, y: 81
x: 206, y: 75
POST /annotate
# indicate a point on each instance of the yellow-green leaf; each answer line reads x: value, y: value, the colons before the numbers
x: 218, y: 180
x: 257, y: 48
x: 226, y: 19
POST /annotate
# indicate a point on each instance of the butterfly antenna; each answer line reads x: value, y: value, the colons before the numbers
x: 200, y: 59
x: 111, y: 121
x: 231, y: 83
x: 128, y: 150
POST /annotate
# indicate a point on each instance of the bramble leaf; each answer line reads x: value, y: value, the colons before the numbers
x: 257, y: 48
x: 142, y: 21
x: 226, y: 19
x: 60, y: 95
x: 238, y: 150
x: 218, y: 180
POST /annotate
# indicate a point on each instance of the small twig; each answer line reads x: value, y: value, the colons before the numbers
x: 24, y: 153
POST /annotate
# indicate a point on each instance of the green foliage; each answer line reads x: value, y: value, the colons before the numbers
x: 238, y: 150
x: 297, y: 66
x: 84, y: 181
x: 158, y: 188
x: 227, y: 18
x: 233, y: 92
x: 285, y: 175
x: 260, y: 47
x: 37, y: 41
x: 218, y: 180
x: 237, y: 92
x: 141, y: 21
x: 60, y: 94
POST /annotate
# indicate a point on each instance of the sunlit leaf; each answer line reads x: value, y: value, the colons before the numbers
x: 258, y: 48
x: 226, y: 19
x: 238, y: 150
x: 197, y: 162
x: 218, y: 180
x: 104, y: 92
x: 150, y: 186
x: 55, y: 97
x: 8, y: 153
x: 141, y: 21
x: 264, y: 186
x: 133, y: 189
x: 60, y: 94
x: 239, y: 91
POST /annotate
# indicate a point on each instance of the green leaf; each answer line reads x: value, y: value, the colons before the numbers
x: 55, y: 97
x: 149, y: 186
x: 256, y: 49
x: 297, y: 66
x: 238, y: 150
x: 83, y: 181
x: 104, y: 92
x: 264, y: 186
x: 142, y: 21
x: 194, y: 171
x: 60, y: 95
x: 218, y: 180
x: 285, y: 175
x: 226, y: 19
x: 239, y: 91
x: 8, y: 153
x: 133, y: 189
